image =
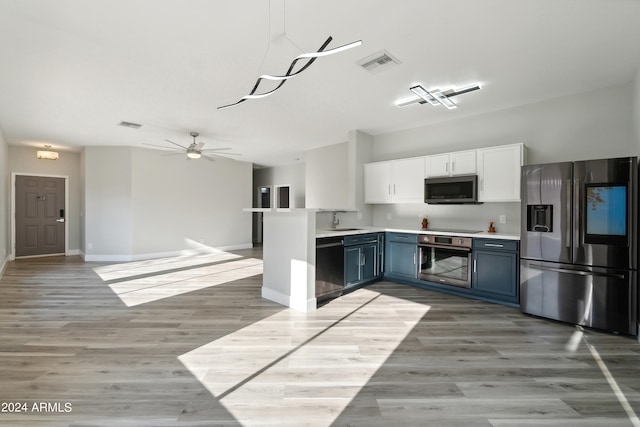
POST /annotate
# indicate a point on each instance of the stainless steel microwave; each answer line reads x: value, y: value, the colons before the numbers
x: 451, y: 190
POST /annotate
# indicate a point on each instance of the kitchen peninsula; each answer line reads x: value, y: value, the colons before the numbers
x: 289, y: 252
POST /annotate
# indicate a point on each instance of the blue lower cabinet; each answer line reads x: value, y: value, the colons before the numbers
x: 401, y: 256
x: 495, y: 270
x: 352, y: 268
x: 361, y: 260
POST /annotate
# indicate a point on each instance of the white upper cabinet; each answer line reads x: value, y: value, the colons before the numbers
x: 448, y: 164
x: 463, y: 163
x: 395, y: 181
x: 499, y: 173
x: 437, y: 165
x: 377, y: 182
x: 408, y: 180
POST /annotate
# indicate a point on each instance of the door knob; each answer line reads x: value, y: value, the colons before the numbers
x: 60, y: 220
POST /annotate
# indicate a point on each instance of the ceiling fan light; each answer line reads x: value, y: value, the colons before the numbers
x: 193, y: 154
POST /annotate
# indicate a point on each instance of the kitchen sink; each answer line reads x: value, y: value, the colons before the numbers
x: 343, y: 229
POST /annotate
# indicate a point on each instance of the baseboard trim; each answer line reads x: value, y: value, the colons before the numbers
x: 286, y: 300
x: 3, y: 266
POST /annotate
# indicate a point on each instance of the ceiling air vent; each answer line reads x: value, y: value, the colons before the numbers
x: 130, y: 125
x: 379, y: 61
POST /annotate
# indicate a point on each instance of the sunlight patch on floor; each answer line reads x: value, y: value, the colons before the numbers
x: 159, y: 286
x: 572, y: 346
x: 293, y: 361
x: 158, y: 265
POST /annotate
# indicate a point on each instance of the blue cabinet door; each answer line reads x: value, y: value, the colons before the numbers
x: 352, y: 269
x: 496, y: 273
x: 369, y: 268
x: 401, y: 260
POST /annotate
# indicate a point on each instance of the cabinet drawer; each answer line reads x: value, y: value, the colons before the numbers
x: 358, y: 239
x: 402, y: 237
x: 496, y: 245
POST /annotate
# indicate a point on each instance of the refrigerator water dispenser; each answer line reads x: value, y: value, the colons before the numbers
x: 540, y: 218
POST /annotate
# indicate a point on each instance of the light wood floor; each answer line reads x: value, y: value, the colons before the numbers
x: 189, y: 342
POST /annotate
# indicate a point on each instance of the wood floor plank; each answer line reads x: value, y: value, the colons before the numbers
x: 188, y: 341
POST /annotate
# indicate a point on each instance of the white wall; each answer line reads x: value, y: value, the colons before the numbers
x: 108, y: 211
x: 5, y: 182
x: 24, y: 160
x: 585, y: 126
x: 140, y: 204
x: 591, y: 125
x: 326, y: 175
x: 181, y: 204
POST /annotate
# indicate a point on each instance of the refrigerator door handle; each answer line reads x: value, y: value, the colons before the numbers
x: 576, y: 272
x: 568, y: 218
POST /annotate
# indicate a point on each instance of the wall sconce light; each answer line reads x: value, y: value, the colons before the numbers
x: 47, y: 154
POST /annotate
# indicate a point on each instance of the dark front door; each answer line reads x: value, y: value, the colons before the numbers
x: 39, y: 215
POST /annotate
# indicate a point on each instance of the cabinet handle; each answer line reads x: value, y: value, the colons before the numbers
x: 414, y: 258
x: 493, y: 245
x: 394, y: 189
x: 453, y: 167
x: 474, y: 266
x: 447, y: 167
x: 389, y: 189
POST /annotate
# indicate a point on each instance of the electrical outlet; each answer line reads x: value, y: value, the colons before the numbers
x: 359, y: 216
x: 388, y: 215
x: 503, y: 219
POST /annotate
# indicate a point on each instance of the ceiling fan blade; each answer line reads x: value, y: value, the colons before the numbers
x: 218, y: 149
x: 211, y: 159
x: 199, y: 146
x: 171, y: 142
x: 224, y: 154
x: 164, y: 147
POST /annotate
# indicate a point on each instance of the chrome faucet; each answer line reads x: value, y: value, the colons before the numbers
x: 336, y: 221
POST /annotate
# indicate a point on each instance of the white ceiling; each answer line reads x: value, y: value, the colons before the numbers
x: 71, y: 70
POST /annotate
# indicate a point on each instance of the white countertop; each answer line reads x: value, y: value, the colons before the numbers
x: 371, y: 229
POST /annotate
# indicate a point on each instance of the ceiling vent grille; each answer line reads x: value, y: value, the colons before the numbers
x: 130, y: 125
x: 379, y: 61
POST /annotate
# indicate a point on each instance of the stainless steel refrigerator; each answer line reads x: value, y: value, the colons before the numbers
x: 579, y: 243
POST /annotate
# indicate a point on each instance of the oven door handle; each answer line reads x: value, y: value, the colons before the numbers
x: 455, y: 248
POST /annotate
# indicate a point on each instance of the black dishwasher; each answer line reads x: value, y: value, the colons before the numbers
x: 329, y: 268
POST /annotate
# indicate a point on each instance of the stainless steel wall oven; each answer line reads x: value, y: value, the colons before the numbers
x: 445, y: 259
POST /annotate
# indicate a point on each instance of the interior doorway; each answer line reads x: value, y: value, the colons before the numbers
x: 39, y: 210
x: 264, y: 202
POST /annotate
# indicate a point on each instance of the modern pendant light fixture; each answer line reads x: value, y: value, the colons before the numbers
x: 277, y: 20
x: 436, y: 97
x: 310, y: 57
x: 47, y: 154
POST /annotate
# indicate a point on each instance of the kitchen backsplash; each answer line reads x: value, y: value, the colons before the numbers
x: 465, y: 217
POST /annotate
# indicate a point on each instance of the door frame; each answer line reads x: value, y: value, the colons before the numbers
x: 12, y: 219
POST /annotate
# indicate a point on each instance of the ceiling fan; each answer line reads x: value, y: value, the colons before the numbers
x: 195, y: 151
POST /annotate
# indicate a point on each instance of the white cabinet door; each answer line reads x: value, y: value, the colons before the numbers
x: 499, y: 173
x: 438, y: 165
x: 408, y: 180
x: 377, y: 182
x: 463, y: 162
